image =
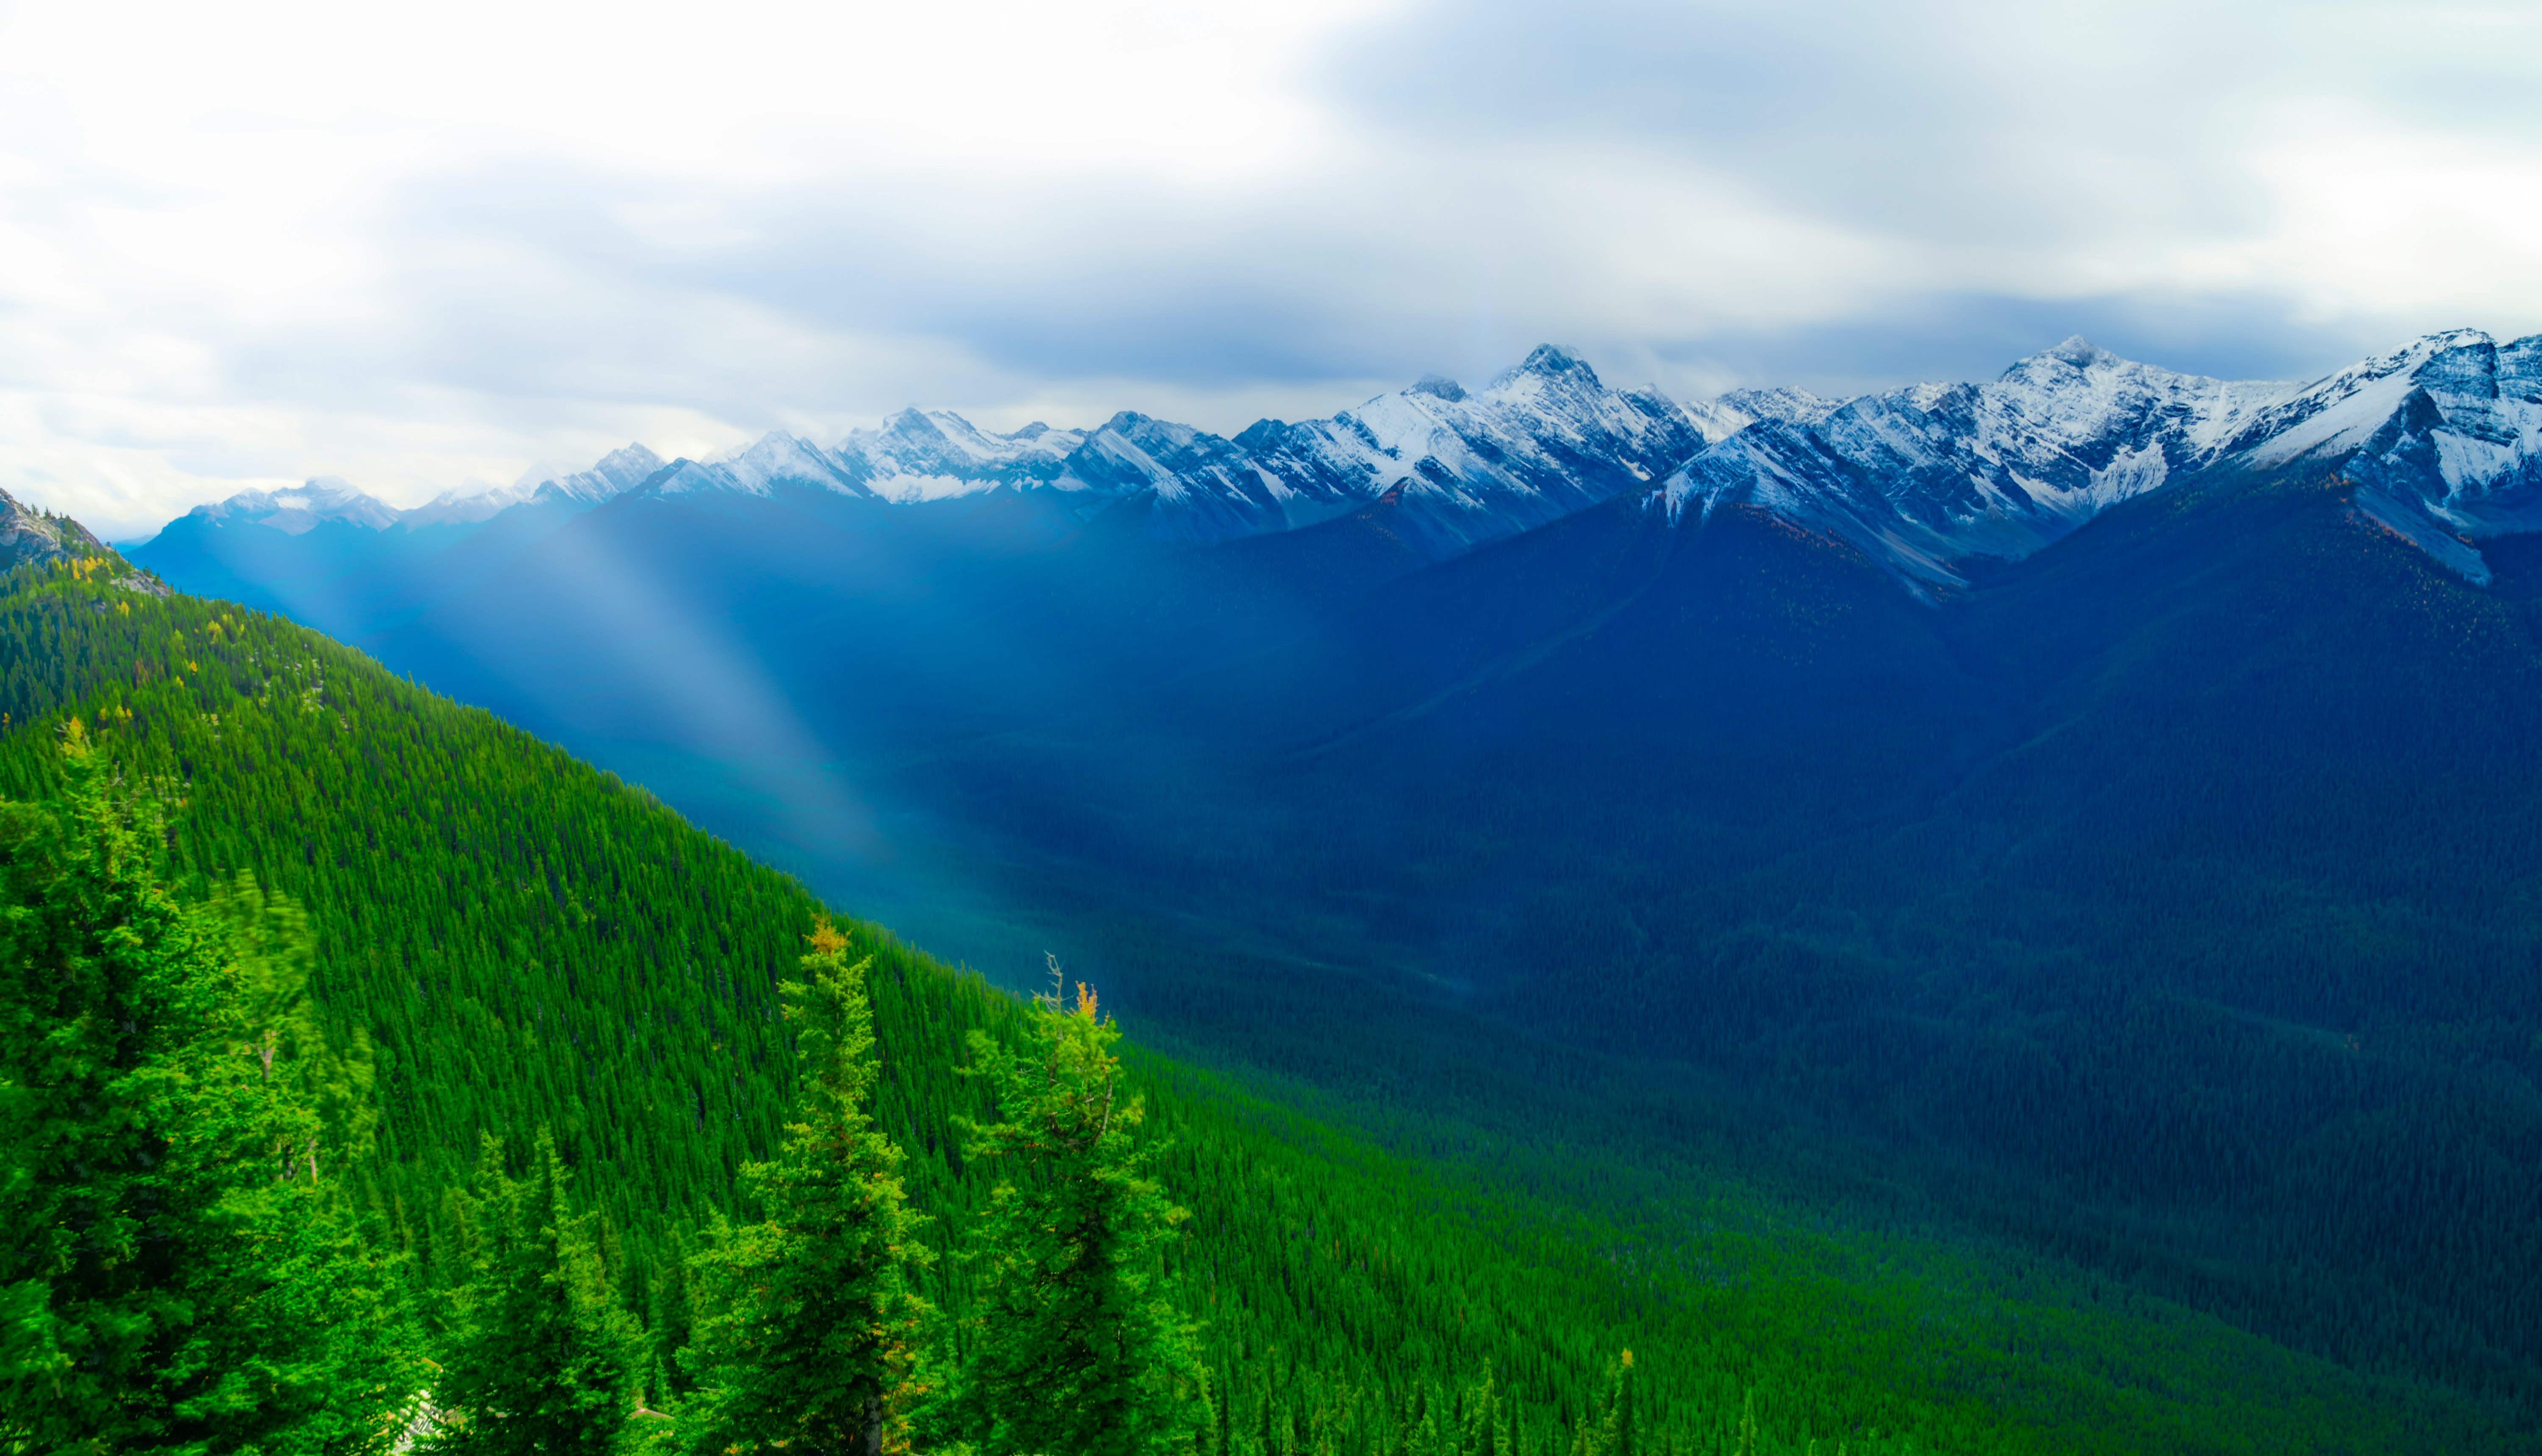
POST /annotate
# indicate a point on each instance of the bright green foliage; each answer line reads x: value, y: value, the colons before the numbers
x: 531, y: 943
x: 1610, y: 1430
x: 808, y: 1331
x: 541, y: 1359
x: 272, y: 957
x: 1073, y: 1343
x: 527, y: 943
x: 176, y: 1277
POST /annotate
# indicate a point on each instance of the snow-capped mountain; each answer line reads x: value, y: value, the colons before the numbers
x: 934, y: 455
x: 1455, y: 469
x: 325, y: 498
x: 620, y: 470
x: 1541, y: 441
x: 2441, y: 439
x: 303, y: 507
x: 1721, y: 418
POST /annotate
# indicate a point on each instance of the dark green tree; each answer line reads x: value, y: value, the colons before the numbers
x: 807, y: 1330
x: 1074, y: 1343
x: 178, y: 1276
x: 540, y: 1360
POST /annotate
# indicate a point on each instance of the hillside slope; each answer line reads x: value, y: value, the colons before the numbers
x: 533, y: 943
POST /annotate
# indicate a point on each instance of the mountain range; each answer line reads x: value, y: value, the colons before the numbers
x: 2092, y: 805
x: 2442, y: 437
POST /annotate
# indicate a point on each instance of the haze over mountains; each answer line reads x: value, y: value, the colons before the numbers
x: 2443, y: 435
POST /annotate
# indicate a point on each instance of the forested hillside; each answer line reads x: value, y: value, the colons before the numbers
x: 532, y: 947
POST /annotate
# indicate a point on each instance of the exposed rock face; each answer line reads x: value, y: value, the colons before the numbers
x: 1459, y: 466
x: 2442, y: 439
x: 41, y: 538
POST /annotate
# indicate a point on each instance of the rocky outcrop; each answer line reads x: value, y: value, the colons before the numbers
x: 31, y: 537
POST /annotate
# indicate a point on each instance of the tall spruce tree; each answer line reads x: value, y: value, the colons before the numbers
x: 540, y: 1360
x: 1075, y: 1345
x: 177, y: 1276
x: 807, y: 1330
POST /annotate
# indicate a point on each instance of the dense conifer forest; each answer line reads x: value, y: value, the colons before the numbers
x: 570, y: 1090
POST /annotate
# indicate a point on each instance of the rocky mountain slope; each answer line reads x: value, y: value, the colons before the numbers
x: 2442, y: 439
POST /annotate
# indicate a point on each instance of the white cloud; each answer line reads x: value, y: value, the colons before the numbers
x: 419, y: 245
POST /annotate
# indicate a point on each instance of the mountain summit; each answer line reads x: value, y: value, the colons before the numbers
x: 303, y: 508
x: 1455, y: 468
x: 2441, y: 438
x: 2440, y: 441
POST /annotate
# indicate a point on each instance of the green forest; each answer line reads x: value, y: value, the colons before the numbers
x: 378, y: 1077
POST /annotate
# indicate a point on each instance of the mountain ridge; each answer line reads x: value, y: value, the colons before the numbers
x: 2443, y: 435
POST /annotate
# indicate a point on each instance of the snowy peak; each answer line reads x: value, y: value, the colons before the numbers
x: 2441, y: 438
x: 1438, y: 385
x: 303, y: 508
x: 1549, y: 362
x: 1450, y: 468
x: 938, y: 455
x: 2457, y: 369
x: 1721, y: 418
x: 2078, y: 351
x: 779, y: 458
x: 451, y: 508
x: 327, y: 498
x: 620, y: 470
x: 1205, y: 487
x: 1541, y: 441
x: 1926, y: 476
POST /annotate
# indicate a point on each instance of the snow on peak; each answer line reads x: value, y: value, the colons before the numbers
x: 1440, y: 385
x: 1461, y: 468
x: 621, y: 470
x: 1736, y: 411
x: 2441, y: 439
x: 935, y: 455
x: 2078, y: 351
x: 1550, y: 361
x: 302, y: 508
x: 779, y: 458
x: 1924, y: 477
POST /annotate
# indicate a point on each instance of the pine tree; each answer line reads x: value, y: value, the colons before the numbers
x: 541, y: 1361
x: 177, y: 1276
x: 1075, y: 1345
x: 807, y: 1330
x: 1614, y: 1432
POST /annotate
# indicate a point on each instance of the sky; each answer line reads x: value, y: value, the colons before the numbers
x: 433, y: 248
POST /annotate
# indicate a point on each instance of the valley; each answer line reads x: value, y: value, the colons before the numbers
x: 2066, y: 835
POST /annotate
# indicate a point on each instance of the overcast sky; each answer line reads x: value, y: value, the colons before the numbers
x: 427, y: 246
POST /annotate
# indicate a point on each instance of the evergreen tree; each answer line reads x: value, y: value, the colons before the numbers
x: 1610, y: 1430
x: 807, y: 1328
x: 542, y: 1361
x: 1074, y: 1344
x: 177, y: 1278
x: 272, y: 952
